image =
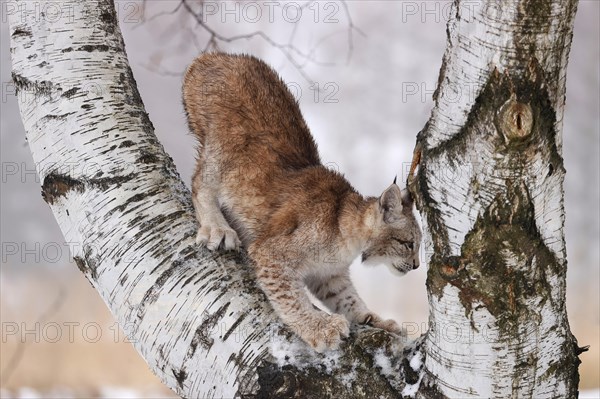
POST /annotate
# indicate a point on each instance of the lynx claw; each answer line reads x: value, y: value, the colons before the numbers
x: 327, y: 333
x: 216, y: 236
x: 373, y: 320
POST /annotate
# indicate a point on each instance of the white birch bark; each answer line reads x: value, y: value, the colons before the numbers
x: 489, y: 186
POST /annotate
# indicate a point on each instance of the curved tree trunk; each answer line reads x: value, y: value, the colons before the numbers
x: 196, y: 317
x: 489, y: 186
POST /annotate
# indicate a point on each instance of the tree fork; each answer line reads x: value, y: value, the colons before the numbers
x: 489, y: 185
x: 196, y: 317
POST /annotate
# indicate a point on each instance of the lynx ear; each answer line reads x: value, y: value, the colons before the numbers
x: 390, y: 203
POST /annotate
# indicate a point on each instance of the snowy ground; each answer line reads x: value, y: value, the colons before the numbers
x: 125, y: 393
x: 105, y: 392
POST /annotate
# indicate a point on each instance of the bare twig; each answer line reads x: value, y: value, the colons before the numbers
x: 351, y: 29
x: 298, y: 58
x: 157, y: 15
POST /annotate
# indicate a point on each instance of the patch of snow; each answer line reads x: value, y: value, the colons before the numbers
x: 411, y: 390
x: 27, y: 393
x: 106, y: 392
x: 295, y: 352
x: 119, y: 392
x: 383, y: 362
x: 416, y: 361
x: 590, y: 394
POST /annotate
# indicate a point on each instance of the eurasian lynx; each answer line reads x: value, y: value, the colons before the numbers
x: 259, y: 183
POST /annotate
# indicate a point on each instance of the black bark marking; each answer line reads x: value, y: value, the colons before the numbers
x: 131, y: 200
x: 202, y: 336
x: 19, y: 32
x: 132, y: 94
x: 234, y: 326
x: 126, y: 143
x: 148, y: 158
x: 43, y: 87
x: 123, y: 279
x: 180, y: 376
x: 83, y: 267
x: 96, y: 47
x: 188, y: 280
x: 109, y: 20
x: 56, y: 186
x: 57, y: 117
x: 71, y: 92
x: 275, y: 382
x: 88, y: 265
x: 108, y: 17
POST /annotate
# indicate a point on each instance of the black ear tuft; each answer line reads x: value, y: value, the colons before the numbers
x: 395, y: 178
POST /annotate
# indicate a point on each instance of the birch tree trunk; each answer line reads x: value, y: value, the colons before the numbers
x: 489, y: 186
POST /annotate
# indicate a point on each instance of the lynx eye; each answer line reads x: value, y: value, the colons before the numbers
x: 407, y: 244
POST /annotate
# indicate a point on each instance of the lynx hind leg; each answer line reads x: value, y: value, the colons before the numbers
x: 340, y: 296
x: 214, y: 231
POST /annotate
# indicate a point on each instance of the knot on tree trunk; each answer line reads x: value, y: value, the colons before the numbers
x: 515, y: 119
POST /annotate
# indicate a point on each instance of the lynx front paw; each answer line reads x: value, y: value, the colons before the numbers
x: 373, y: 320
x: 215, y: 235
x: 326, y: 332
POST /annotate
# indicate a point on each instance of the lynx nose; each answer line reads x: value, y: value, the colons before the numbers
x: 415, y: 264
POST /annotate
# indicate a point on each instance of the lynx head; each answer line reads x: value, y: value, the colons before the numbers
x: 396, y: 235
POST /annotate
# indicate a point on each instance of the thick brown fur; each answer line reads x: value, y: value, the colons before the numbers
x: 259, y: 183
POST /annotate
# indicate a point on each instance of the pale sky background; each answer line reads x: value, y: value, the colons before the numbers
x: 365, y: 119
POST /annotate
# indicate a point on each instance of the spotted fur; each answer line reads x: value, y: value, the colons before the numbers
x: 259, y: 183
